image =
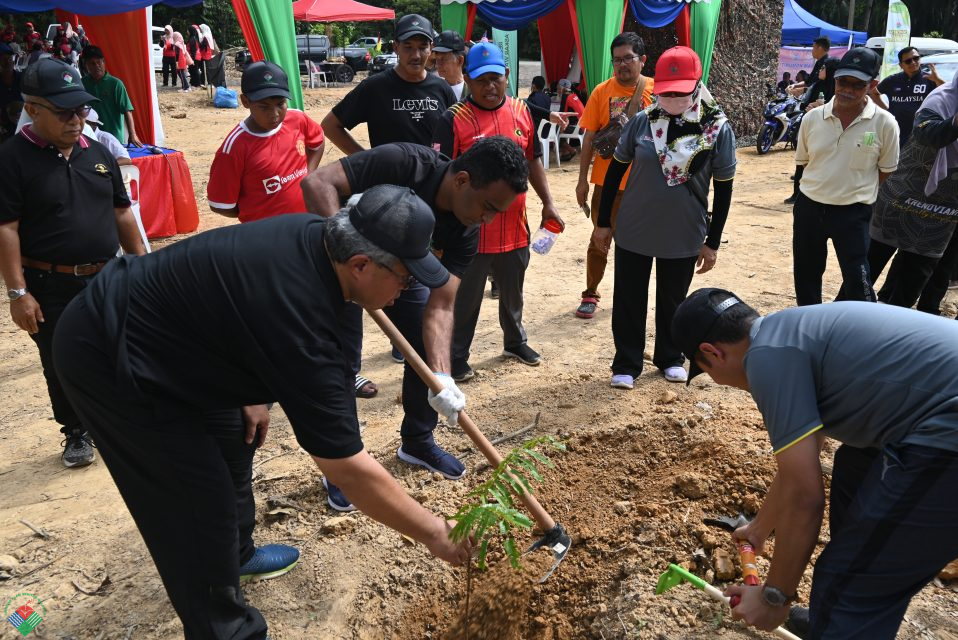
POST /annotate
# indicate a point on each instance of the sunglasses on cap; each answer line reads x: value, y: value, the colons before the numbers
x: 65, y: 115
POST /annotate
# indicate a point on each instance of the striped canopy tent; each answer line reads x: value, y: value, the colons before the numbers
x: 588, y: 27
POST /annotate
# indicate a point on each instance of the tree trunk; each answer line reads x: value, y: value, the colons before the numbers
x: 868, y: 16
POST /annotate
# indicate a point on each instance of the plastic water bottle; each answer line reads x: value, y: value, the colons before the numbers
x: 546, y: 236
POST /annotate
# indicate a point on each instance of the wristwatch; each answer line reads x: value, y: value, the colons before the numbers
x: 774, y: 597
x: 16, y: 294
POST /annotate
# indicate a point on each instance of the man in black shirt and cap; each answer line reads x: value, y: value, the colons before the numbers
x: 462, y: 194
x: 240, y: 316
x: 906, y: 91
x: 64, y: 212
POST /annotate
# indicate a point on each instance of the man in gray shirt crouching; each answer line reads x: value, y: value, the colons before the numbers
x: 882, y: 381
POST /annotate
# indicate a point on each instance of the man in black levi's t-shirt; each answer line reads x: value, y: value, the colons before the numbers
x: 401, y: 104
x: 463, y: 193
x: 240, y: 316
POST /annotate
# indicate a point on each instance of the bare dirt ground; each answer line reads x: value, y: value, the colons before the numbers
x: 642, y: 469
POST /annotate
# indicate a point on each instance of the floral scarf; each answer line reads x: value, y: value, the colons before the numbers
x: 695, y: 132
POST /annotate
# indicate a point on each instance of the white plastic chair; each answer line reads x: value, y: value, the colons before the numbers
x: 315, y: 73
x: 131, y: 180
x: 577, y: 134
x: 547, y: 140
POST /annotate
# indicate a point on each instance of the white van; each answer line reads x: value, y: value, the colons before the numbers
x: 925, y: 46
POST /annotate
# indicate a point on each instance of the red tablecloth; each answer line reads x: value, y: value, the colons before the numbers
x: 167, y: 203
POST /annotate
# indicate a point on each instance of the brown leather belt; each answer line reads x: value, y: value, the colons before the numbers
x: 87, y: 269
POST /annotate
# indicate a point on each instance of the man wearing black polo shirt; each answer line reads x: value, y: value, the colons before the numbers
x: 240, y: 316
x: 63, y: 213
x: 462, y: 193
x: 905, y: 91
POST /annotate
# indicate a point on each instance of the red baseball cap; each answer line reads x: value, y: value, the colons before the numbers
x: 678, y: 69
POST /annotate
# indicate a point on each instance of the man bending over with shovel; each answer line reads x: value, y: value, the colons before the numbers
x: 240, y: 316
x: 879, y: 379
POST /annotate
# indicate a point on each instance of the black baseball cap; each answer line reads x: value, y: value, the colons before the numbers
x: 264, y: 79
x: 397, y: 221
x: 412, y: 25
x: 56, y: 81
x: 91, y: 52
x: 449, y: 42
x: 695, y: 318
x: 861, y: 63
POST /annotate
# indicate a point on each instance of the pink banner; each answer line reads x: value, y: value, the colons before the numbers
x: 794, y: 59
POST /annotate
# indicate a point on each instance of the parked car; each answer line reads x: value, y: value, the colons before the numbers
x: 382, y: 62
x: 367, y: 42
x: 946, y: 64
x: 317, y: 48
x: 925, y: 46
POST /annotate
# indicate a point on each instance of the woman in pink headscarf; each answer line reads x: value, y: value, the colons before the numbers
x: 183, y: 60
x: 169, y: 56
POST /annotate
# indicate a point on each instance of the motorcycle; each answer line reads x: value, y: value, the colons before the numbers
x: 783, y: 116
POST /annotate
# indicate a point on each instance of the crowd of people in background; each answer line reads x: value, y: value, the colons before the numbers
x: 271, y: 310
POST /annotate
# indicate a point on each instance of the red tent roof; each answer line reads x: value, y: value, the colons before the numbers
x: 339, y: 11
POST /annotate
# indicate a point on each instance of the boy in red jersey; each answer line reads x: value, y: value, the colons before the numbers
x: 258, y: 168
x: 503, y: 243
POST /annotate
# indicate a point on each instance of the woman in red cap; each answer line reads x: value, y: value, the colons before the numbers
x: 677, y: 147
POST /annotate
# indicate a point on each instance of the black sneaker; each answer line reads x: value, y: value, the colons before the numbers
x: 336, y: 499
x: 461, y: 371
x: 494, y: 290
x: 790, y: 199
x: 525, y: 354
x: 77, y: 449
x: 434, y: 458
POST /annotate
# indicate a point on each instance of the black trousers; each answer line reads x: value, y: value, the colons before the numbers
x: 937, y: 286
x: 907, y: 275
x: 173, y: 477
x: 419, y: 420
x: 197, y: 74
x: 892, y: 520
x: 630, y: 307
x: 509, y: 271
x: 228, y: 430
x: 169, y: 70
x: 813, y: 225
x: 54, y: 291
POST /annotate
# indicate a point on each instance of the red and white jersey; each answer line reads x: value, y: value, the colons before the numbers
x: 260, y: 172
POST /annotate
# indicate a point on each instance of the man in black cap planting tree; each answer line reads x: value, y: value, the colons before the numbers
x: 462, y: 193
x: 880, y: 380
x: 846, y: 148
x: 240, y: 316
x: 64, y: 212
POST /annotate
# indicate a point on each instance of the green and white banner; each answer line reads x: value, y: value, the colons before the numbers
x: 507, y: 41
x: 897, y: 36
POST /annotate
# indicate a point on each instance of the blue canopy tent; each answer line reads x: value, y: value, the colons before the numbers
x: 801, y: 28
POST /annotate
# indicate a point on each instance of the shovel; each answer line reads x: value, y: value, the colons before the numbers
x: 555, y: 538
x: 676, y: 575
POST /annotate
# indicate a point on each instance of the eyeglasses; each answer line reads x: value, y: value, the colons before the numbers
x: 914, y: 60
x: 617, y: 62
x: 406, y: 281
x: 65, y: 115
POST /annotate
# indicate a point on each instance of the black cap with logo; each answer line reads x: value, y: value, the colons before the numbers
x: 695, y: 318
x: 412, y: 25
x: 264, y: 79
x: 397, y: 221
x: 861, y: 63
x: 57, y: 82
x: 449, y: 42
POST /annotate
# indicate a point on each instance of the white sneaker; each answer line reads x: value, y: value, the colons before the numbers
x: 675, y: 374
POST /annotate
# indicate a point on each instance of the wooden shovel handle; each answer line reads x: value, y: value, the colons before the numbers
x: 542, y: 518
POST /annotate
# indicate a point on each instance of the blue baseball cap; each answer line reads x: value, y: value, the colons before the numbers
x: 485, y: 57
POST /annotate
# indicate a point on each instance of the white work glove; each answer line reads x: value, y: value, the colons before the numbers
x: 448, y: 402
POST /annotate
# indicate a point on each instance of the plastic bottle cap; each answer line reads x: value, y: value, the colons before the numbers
x: 553, y: 226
